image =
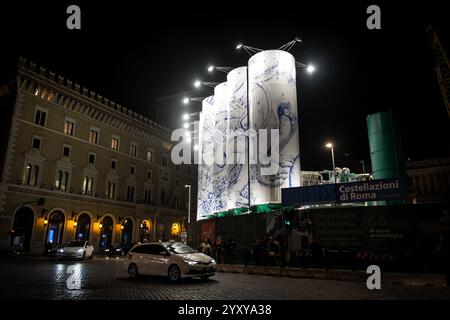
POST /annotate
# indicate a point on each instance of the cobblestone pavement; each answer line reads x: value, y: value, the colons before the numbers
x: 46, y: 278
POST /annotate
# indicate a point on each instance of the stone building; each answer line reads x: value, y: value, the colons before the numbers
x: 76, y: 165
x: 430, y: 179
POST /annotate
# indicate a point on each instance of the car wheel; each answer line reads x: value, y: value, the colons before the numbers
x: 133, y: 270
x: 174, y: 273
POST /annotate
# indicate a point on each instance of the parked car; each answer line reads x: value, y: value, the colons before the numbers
x: 171, y: 259
x: 121, y: 250
x: 53, y: 251
x: 77, y: 249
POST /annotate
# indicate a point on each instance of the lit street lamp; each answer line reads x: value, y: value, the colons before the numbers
x: 223, y: 69
x: 329, y: 145
x: 310, y: 69
x: 189, y: 202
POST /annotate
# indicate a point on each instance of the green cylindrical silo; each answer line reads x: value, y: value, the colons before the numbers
x: 386, y: 151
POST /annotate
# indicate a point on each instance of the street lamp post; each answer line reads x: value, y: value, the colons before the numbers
x: 363, y: 166
x: 189, y: 202
x: 329, y: 145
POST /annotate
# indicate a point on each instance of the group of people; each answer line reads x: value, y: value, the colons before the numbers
x: 267, y: 251
x: 223, y: 249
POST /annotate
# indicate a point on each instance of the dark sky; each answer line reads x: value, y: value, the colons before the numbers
x: 145, y: 57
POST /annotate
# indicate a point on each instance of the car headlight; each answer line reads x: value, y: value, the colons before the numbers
x: 80, y: 250
x: 190, y: 262
x: 212, y: 261
x: 61, y: 250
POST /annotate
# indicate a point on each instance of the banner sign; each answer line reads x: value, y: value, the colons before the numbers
x: 360, y: 191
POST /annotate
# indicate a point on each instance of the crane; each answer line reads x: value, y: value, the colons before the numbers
x: 442, y: 67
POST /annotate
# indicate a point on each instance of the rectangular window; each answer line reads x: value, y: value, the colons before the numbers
x: 69, y: 127
x: 133, y: 149
x: 177, y: 183
x: 189, y: 170
x: 40, y: 117
x: 113, y: 164
x: 93, y: 135
x: 150, y: 155
x: 66, y: 151
x: 164, y: 160
x: 115, y: 141
x: 91, y: 158
x: 132, y: 170
x: 36, y: 144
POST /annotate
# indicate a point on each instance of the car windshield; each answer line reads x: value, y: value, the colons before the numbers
x: 75, y: 244
x: 180, y: 248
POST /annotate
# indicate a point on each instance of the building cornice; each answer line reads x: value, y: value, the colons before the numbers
x: 55, y: 88
x: 66, y: 196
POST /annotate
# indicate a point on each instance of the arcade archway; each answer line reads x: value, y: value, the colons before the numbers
x: 145, y: 230
x: 55, y: 227
x: 22, y: 229
x: 83, y: 227
x: 106, y: 233
x: 127, y: 231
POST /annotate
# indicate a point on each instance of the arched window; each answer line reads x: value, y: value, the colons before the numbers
x: 27, y: 174
x: 34, y: 175
x: 111, y: 190
x: 163, y: 198
x: 130, y: 194
x: 88, y: 184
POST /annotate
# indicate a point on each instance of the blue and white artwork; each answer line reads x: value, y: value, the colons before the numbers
x: 205, y: 201
x: 237, y: 145
x: 221, y: 178
x: 273, y: 105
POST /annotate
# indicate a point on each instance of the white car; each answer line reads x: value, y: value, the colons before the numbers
x: 171, y: 259
x: 76, y: 249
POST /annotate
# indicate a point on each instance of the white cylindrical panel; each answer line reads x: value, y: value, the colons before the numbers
x: 273, y: 105
x: 220, y: 196
x: 237, y: 165
x: 206, y: 165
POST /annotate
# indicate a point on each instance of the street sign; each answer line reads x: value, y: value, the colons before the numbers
x: 359, y: 191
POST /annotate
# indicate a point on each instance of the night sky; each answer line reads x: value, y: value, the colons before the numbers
x: 146, y: 57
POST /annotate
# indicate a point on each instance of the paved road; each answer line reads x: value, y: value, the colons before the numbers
x: 42, y: 278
